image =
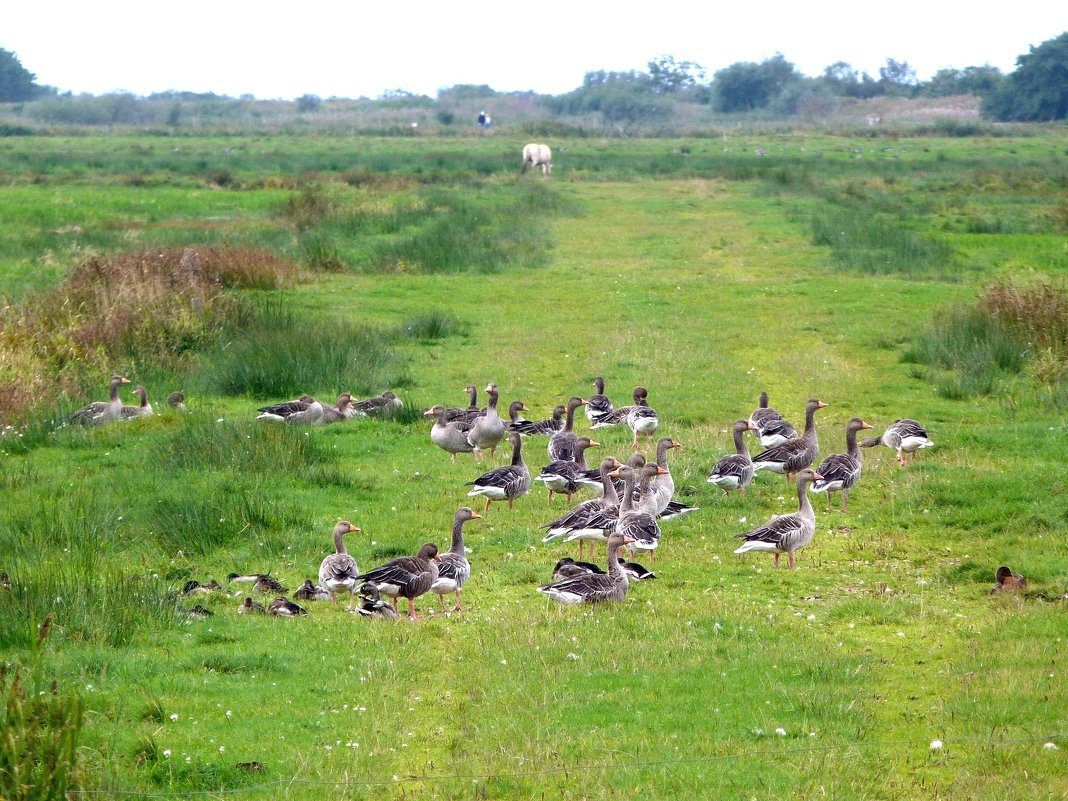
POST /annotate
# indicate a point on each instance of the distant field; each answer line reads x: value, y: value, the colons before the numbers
x: 707, y: 270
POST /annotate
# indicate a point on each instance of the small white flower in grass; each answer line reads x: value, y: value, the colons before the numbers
x: 504, y: 661
x: 222, y: 749
x: 811, y: 617
x: 936, y: 745
x: 167, y: 753
x: 573, y: 657
x: 742, y: 519
x: 174, y: 716
x: 781, y: 732
x: 901, y: 634
x: 229, y: 713
x: 1050, y: 746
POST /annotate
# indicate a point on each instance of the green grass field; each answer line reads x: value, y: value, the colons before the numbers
x: 696, y: 268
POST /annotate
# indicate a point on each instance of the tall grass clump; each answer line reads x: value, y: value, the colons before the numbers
x: 431, y: 325
x: 278, y: 354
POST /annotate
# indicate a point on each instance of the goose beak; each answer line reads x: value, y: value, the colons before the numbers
x: 437, y: 557
x: 126, y: 380
x: 428, y: 413
x: 822, y: 405
x: 676, y: 444
x: 614, y: 473
x: 594, y: 444
x: 582, y: 402
x: 353, y: 528
x: 867, y: 425
x: 627, y: 539
x: 476, y: 516
x: 660, y: 471
x: 817, y: 476
x: 752, y: 427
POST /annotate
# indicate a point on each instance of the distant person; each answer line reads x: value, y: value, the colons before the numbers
x: 483, y: 120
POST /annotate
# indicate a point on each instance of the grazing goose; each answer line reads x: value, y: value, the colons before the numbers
x: 562, y: 444
x: 310, y: 591
x: 642, y: 419
x: 504, y: 483
x: 100, y: 413
x: 1008, y: 581
x: 904, y: 436
x: 568, y: 567
x: 638, y: 521
x: 529, y: 428
x: 250, y: 607
x: 635, y: 572
x: 593, y: 520
x: 455, y: 570
x: 372, y: 605
x: 841, y: 471
x: 795, y: 454
x: 450, y: 437
x: 260, y: 582
x: 280, y: 411
x: 564, y: 476
x: 786, y: 534
x: 591, y: 588
x: 598, y: 404
x: 143, y: 409
x: 619, y: 414
x: 283, y: 607
x: 384, y: 405
x: 176, y: 400
x: 488, y: 430
x: 338, y: 571
x: 735, y: 471
x: 665, y: 484
x: 406, y: 577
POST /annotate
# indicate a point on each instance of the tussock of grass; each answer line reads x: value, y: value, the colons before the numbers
x: 432, y: 325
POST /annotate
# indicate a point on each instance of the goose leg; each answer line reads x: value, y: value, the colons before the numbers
x: 845, y: 499
x: 793, y: 564
x: 457, y: 608
x: 776, y: 560
x: 411, y: 610
x: 488, y: 502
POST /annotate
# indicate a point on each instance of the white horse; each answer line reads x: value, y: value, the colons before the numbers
x: 538, y: 155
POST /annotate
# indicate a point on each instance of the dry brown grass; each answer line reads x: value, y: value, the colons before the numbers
x: 1036, y: 313
x: 114, y: 312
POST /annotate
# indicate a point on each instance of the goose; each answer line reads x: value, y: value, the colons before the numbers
x: 592, y: 520
x: 372, y: 605
x: 795, y: 454
x: 514, y: 416
x: 143, y: 409
x: 638, y: 521
x: 406, y: 577
x: 283, y: 607
x: 598, y: 404
x: 488, y: 430
x: 383, y: 405
x: 547, y: 427
x: 310, y: 591
x: 665, y: 484
x: 1008, y: 581
x: 199, y: 611
x: 455, y: 570
x: 563, y: 476
x: 763, y: 413
x: 568, y: 567
x: 735, y: 471
x: 904, y: 436
x: 100, y: 413
x: 343, y: 411
x: 504, y: 483
x: 248, y: 606
x: 454, y: 414
x: 770, y: 427
x: 619, y: 414
x: 635, y: 572
x: 642, y: 420
x: 561, y: 445
x: 260, y: 582
x: 194, y: 587
x: 338, y: 571
x: 176, y: 400
x: 450, y: 437
x: 786, y: 534
x: 280, y: 411
x: 593, y: 588
x: 841, y: 471
x: 312, y: 416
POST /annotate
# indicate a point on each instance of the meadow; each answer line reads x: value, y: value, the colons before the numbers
x: 829, y: 266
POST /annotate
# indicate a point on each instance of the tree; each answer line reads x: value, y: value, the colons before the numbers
x: 843, y: 80
x: 622, y: 99
x: 309, y: 102
x: 16, y: 82
x: 981, y: 81
x: 1037, y: 90
x: 669, y: 76
x: 897, y: 76
x: 745, y: 86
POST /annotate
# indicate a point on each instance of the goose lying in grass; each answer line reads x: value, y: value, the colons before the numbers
x: 569, y: 568
x: 1008, y: 581
x: 338, y: 571
x: 176, y: 401
x: 143, y: 409
x: 280, y: 411
x: 261, y: 582
x: 905, y: 437
x: 590, y: 588
x: 504, y: 483
x: 250, y: 607
x: 283, y: 607
x: 310, y: 591
x: 795, y: 454
x: 406, y: 576
x: 455, y: 569
x: 100, y: 413
x: 841, y: 471
x: 194, y: 587
x: 635, y: 572
x: 735, y: 471
x: 372, y: 605
x: 383, y: 405
x: 786, y: 534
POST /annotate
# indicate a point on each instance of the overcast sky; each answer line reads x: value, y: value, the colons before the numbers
x: 354, y: 48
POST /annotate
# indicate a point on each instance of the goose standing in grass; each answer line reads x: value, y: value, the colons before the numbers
x: 564, y: 476
x: 310, y: 591
x: 338, y: 571
x: 372, y: 605
x: 591, y: 588
x: 515, y: 417
x: 100, y: 413
x: 455, y: 569
x: 280, y: 411
x: 735, y: 471
x: 795, y: 454
x: 504, y: 483
x: 456, y: 414
x: 283, y: 607
x: 664, y: 488
x: 261, y: 582
x: 598, y: 404
x: 250, y: 607
x: 619, y: 414
x: 450, y: 437
x: 488, y: 430
x: 561, y: 445
x: 841, y: 471
x: 638, y: 520
x: 642, y: 419
x: 786, y: 534
x: 592, y: 520
x: 406, y: 577
x: 384, y: 405
x: 548, y: 427
x: 905, y: 437
x: 770, y: 427
x: 143, y: 409
x: 176, y: 400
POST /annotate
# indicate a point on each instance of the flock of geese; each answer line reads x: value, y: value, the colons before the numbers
x: 113, y: 409
x: 630, y: 499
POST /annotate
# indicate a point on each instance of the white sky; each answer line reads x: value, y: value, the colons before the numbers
x: 359, y: 48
